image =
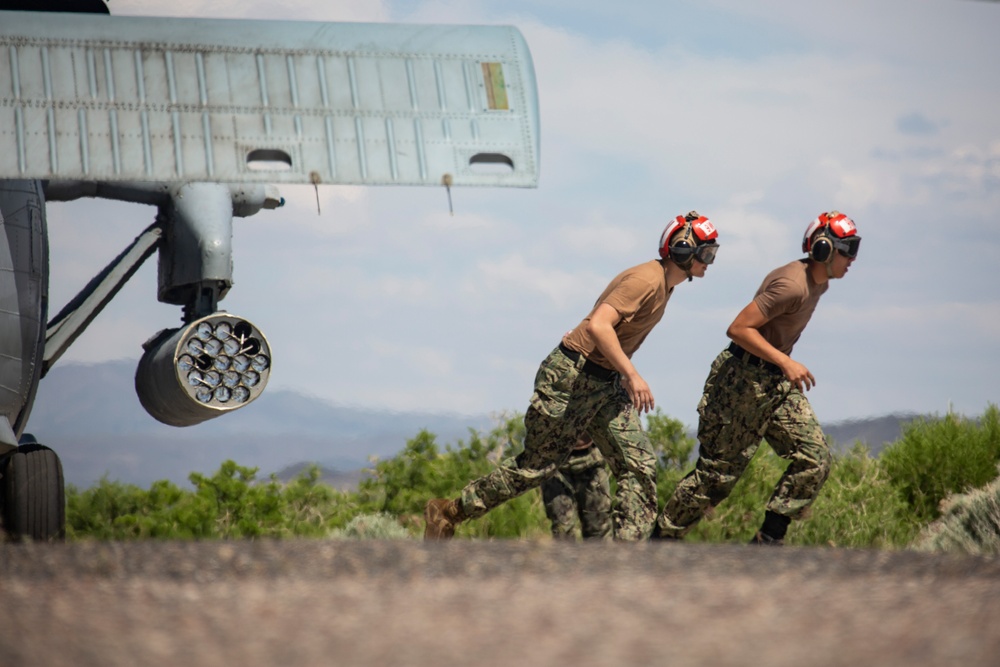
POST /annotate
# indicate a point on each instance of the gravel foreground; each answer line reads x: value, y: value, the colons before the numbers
x: 409, y: 603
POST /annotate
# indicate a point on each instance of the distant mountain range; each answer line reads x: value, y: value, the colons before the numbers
x: 873, y: 432
x: 89, y: 414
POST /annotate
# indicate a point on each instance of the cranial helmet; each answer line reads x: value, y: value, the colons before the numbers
x: 828, y: 232
x: 689, y: 237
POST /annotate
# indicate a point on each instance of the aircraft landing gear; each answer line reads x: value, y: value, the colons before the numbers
x: 32, y: 494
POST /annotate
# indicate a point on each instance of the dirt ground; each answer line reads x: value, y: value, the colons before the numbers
x: 408, y: 603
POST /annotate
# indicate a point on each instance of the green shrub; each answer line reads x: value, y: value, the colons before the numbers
x: 969, y: 523
x: 866, y: 502
x: 402, y: 485
x: 858, y: 507
x: 229, y: 504
x: 669, y: 440
x: 938, y: 457
x: 99, y: 512
x: 379, y: 526
x: 311, y: 509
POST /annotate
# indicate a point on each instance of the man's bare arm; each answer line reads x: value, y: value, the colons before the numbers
x: 745, y: 332
x: 602, y: 328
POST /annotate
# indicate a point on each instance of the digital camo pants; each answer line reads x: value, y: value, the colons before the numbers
x: 578, y: 497
x: 741, y: 405
x: 566, y: 403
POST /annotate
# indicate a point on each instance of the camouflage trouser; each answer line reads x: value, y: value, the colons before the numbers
x: 578, y: 497
x: 741, y: 405
x: 565, y: 404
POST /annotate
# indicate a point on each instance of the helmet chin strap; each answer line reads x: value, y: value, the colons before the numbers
x: 687, y: 271
x: 829, y: 269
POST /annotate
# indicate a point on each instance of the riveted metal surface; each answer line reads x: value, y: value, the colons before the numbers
x: 175, y: 100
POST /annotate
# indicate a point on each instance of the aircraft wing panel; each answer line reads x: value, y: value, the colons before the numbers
x: 112, y: 98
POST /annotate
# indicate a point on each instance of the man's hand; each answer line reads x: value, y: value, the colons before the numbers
x: 745, y: 332
x: 798, y: 374
x: 639, y: 392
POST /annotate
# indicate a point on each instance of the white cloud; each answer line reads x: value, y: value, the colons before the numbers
x: 512, y: 275
x: 446, y: 223
x: 746, y: 236
x: 341, y: 210
x: 927, y: 326
x: 601, y: 237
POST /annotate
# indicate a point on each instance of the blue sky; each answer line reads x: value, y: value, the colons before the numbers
x: 759, y: 115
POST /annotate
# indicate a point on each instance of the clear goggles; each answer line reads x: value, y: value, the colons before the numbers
x: 847, y: 247
x: 706, y: 253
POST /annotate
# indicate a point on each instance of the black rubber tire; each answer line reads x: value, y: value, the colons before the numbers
x: 33, y: 494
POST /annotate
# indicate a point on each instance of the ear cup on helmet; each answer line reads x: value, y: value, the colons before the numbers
x: 821, y: 250
x: 683, y: 246
x: 682, y: 253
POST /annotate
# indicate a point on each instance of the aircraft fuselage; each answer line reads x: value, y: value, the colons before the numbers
x: 24, y: 288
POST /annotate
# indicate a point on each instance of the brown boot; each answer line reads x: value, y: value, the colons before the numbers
x: 440, y: 518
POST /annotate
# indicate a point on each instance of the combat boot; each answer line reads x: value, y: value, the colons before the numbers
x: 772, y: 532
x: 441, y: 516
x: 765, y: 539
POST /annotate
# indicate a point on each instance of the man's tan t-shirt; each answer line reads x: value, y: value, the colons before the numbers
x: 787, y: 298
x: 640, y: 296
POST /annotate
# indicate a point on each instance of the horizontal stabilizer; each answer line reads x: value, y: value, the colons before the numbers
x: 115, y: 98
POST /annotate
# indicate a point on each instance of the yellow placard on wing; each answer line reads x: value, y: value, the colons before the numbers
x: 496, y: 89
